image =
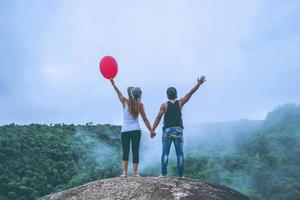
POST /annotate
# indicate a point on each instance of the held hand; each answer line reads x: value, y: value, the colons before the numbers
x: 152, y: 134
x: 201, y: 80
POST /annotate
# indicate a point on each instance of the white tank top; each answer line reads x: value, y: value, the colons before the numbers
x: 129, y: 122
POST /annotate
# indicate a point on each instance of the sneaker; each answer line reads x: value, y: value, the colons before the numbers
x: 123, y: 176
x: 180, y: 177
x: 162, y: 176
x: 136, y: 175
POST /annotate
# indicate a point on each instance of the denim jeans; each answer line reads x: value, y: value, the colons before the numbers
x: 175, y: 135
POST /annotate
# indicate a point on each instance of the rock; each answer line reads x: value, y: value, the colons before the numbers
x: 143, y: 188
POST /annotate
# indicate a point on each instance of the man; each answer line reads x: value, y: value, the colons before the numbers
x: 173, y: 126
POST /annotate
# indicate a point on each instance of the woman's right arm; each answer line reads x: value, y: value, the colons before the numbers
x: 120, y: 95
x: 144, y: 117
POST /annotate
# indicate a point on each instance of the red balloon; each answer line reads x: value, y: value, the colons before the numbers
x: 108, y: 67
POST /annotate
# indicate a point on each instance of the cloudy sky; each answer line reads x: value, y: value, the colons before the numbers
x: 50, y: 50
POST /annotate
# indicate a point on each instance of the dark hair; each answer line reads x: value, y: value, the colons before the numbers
x: 171, y: 93
x: 134, y: 94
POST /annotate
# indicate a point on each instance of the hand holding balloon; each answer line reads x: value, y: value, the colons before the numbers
x: 112, y: 81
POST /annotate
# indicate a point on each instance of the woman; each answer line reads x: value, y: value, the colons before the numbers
x: 131, y: 131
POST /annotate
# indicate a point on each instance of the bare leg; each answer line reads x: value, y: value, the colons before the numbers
x: 125, y: 167
x: 135, y: 169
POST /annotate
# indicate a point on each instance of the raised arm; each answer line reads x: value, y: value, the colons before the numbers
x: 161, y: 112
x: 120, y: 95
x: 144, y: 116
x: 187, y: 97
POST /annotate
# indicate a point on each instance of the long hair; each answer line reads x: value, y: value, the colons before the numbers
x: 134, y: 94
x: 133, y: 107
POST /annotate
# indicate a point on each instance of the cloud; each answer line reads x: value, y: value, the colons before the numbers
x: 243, y: 47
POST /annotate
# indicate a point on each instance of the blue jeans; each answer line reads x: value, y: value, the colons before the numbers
x: 172, y: 134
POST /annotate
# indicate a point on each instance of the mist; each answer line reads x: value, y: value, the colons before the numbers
x: 257, y: 157
x: 99, y: 151
x: 223, y: 147
x: 238, y: 131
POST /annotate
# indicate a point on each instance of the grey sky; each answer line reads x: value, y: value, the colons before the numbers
x: 50, y: 50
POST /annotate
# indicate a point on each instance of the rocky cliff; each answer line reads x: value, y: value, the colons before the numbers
x: 148, y: 188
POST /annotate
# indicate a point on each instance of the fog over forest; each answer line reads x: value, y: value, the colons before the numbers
x: 259, y: 158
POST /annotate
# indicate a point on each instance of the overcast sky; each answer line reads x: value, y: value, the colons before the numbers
x: 50, y: 50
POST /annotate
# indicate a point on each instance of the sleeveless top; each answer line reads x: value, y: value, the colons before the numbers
x: 129, y: 122
x: 172, y: 117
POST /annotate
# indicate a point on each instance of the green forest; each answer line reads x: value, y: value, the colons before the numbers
x: 259, y: 158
